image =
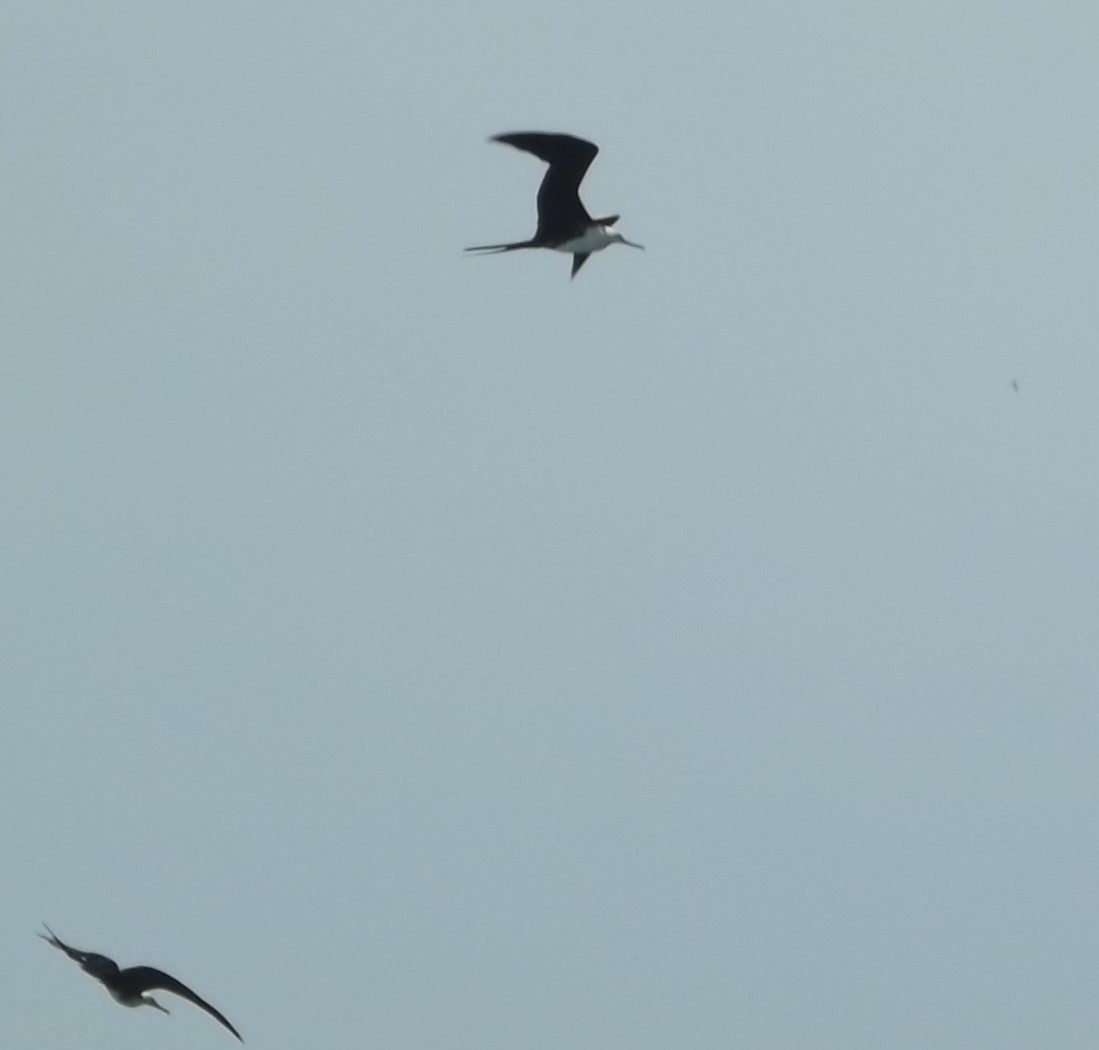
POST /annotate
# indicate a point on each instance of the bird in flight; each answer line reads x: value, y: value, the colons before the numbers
x: 131, y: 986
x: 563, y: 222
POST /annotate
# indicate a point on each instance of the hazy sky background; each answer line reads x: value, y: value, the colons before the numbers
x: 423, y: 652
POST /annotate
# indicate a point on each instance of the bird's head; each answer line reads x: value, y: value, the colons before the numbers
x: 150, y: 1001
x: 617, y: 238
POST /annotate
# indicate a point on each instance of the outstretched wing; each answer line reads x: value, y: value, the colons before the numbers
x: 560, y: 213
x: 146, y: 978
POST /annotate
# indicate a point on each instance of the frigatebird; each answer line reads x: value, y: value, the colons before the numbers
x: 563, y: 222
x: 131, y: 986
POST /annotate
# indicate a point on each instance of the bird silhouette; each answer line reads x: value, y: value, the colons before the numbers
x: 563, y: 222
x: 131, y: 986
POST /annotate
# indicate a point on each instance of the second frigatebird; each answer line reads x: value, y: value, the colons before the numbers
x: 131, y: 986
x: 563, y: 222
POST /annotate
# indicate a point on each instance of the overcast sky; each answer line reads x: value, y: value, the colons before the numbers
x: 416, y: 651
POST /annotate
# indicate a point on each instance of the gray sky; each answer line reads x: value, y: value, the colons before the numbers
x: 426, y: 652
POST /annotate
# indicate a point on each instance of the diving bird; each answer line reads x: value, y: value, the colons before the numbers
x: 131, y: 986
x: 563, y: 222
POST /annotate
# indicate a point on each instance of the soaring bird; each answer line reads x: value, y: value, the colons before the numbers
x: 131, y: 986
x: 563, y: 222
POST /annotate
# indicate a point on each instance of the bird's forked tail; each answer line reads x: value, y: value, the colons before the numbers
x: 490, y: 248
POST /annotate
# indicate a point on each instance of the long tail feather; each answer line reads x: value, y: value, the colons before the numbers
x: 492, y: 248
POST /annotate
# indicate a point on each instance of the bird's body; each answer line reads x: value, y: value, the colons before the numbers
x: 563, y: 222
x: 130, y: 986
x: 595, y: 238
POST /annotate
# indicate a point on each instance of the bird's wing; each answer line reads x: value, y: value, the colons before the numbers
x: 560, y: 212
x: 551, y: 146
x: 146, y: 978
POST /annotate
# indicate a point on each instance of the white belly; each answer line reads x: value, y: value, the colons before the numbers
x: 592, y: 240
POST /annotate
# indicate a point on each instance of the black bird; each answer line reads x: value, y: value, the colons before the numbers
x: 563, y: 222
x: 131, y: 986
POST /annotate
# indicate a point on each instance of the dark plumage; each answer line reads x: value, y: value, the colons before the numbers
x: 563, y: 222
x: 130, y: 986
